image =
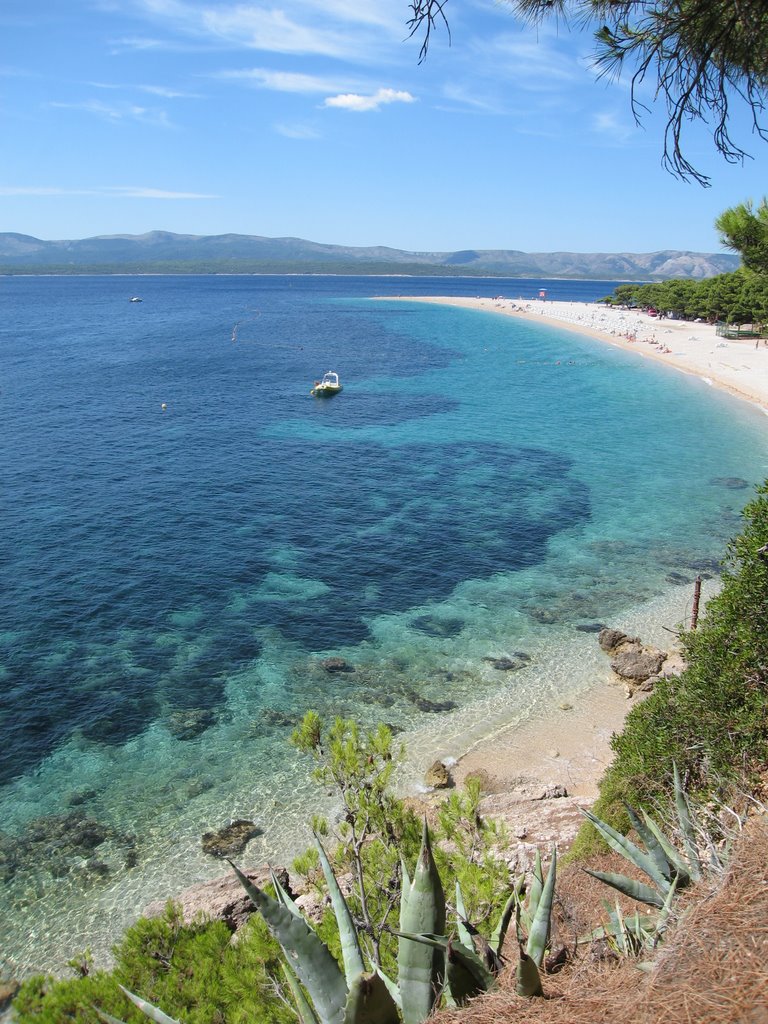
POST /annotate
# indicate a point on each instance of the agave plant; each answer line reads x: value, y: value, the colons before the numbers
x: 430, y: 962
x: 667, y: 867
x: 535, y: 915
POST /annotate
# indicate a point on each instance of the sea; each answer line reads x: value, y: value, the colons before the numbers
x: 188, y: 537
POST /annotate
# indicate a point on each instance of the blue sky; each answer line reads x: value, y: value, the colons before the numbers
x: 313, y: 118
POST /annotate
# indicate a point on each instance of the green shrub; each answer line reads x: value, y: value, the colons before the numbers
x: 192, y: 971
x: 712, y: 720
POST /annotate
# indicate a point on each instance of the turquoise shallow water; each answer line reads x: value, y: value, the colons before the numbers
x: 172, y: 579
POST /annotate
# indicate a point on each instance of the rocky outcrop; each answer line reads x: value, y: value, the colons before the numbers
x: 231, y: 839
x: 634, y: 662
x: 437, y: 776
x: 223, y: 899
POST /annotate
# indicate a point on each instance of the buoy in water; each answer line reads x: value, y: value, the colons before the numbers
x: 163, y: 406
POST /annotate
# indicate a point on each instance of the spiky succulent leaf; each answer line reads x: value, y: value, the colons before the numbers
x: 370, y: 1002
x: 645, y: 921
x: 350, y: 947
x: 686, y: 825
x: 500, y: 931
x: 537, y: 884
x: 420, y: 968
x: 303, y: 1007
x: 630, y: 851
x: 282, y: 895
x: 466, y: 975
x: 678, y: 864
x: 308, y: 956
x: 392, y: 988
x: 651, y: 841
x: 527, y: 980
x: 107, y: 1018
x: 465, y: 936
x: 636, y: 890
x: 465, y: 955
x: 539, y: 932
x: 148, y: 1009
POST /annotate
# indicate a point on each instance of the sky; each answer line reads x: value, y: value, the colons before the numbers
x: 315, y: 119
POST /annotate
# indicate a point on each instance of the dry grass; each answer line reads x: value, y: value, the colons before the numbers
x: 713, y: 968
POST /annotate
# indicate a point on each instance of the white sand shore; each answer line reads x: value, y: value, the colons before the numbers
x: 736, y: 366
x: 573, y: 748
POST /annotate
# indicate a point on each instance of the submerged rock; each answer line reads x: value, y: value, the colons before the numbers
x: 190, y: 722
x: 432, y: 625
x: 230, y: 839
x: 733, y: 483
x: 590, y: 627
x: 507, y: 663
x: 337, y: 665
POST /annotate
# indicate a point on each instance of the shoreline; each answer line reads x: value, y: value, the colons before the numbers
x: 572, y: 744
x: 737, y: 367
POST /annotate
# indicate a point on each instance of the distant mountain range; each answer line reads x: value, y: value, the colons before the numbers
x: 165, y: 252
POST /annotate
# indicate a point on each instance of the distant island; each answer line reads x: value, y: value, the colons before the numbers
x: 163, y: 252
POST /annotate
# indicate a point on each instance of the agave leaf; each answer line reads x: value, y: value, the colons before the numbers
x: 350, y: 947
x: 681, y: 869
x: 637, y: 890
x: 528, y: 980
x: 539, y: 933
x: 645, y: 921
x: 464, y: 956
x: 420, y: 968
x: 465, y: 936
x: 107, y: 1017
x: 282, y: 895
x: 370, y: 1002
x: 500, y: 931
x: 303, y: 1007
x: 308, y: 956
x: 148, y: 1009
x: 629, y: 851
x: 464, y: 978
x: 392, y: 988
x: 651, y: 841
x: 686, y: 825
x: 537, y: 884
x: 663, y: 918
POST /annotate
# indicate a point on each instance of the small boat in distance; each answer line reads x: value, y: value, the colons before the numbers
x: 329, y: 385
x: 135, y: 298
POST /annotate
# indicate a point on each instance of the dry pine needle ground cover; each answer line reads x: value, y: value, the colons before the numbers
x: 712, y: 969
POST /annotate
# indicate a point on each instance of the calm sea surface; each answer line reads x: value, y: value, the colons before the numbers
x: 187, y: 534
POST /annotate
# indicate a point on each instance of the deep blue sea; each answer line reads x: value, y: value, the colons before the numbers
x: 187, y: 534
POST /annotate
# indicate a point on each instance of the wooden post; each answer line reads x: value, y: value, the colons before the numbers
x: 696, y: 599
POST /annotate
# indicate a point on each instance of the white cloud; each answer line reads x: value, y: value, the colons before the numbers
x: 350, y: 29
x: 358, y: 103
x: 115, y: 114
x: 615, y: 128
x: 285, y: 81
x: 115, y: 191
x: 297, y: 131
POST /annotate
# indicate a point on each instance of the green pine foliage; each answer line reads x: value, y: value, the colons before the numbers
x: 712, y: 720
x: 740, y: 297
x: 194, y: 972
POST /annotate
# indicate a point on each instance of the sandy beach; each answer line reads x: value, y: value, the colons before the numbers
x: 572, y: 747
x: 735, y: 366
